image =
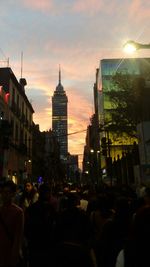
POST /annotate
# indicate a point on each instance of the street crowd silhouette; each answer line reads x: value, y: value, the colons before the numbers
x: 70, y: 225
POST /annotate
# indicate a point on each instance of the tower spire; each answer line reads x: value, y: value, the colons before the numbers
x: 59, y: 74
x: 59, y: 87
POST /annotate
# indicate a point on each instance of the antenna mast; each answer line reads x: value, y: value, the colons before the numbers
x: 59, y: 74
x: 6, y: 60
x: 21, y: 64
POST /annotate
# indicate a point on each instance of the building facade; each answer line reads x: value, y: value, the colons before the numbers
x: 116, y: 147
x: 15, y: 127
x: 60, y: 118
x: 108, y: 68
x: 73, y: 173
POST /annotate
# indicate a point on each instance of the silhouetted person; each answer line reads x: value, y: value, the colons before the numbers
x: 11, y: 226
x: 28, y: 196
x: 136, y: 252
x: 73, y: 235
x: 39, y: 228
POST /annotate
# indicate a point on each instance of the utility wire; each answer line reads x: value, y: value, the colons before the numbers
x: 56, y: 136
x: 77, y: 132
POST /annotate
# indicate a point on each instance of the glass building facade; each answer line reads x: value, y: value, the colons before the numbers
x: 135, y: 67
x: 108, y: 68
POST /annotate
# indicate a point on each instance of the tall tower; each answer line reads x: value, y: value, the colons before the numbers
x: 60, y: 118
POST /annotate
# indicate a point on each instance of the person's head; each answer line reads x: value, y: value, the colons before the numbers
x: 137, y: 248
x: 72, y: 200
x: 44, y: 192
x: 8, y: 191
x: 28, y: 186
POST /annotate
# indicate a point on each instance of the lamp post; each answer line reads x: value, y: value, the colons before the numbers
x: 131, y: 46
x: 95, y: 166
x: 98, y: 168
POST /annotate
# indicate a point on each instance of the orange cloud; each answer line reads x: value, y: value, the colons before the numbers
x: 79, y: 111
x: 46, y: 120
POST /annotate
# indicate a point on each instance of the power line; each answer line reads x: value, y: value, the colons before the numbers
x: 49, y: 137
x: 77, y: 132
x: 61, y: 135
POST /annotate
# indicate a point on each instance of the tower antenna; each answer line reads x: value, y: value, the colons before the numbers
x: 21, y: 64
x: 59, y: 74
x: 8, y: 62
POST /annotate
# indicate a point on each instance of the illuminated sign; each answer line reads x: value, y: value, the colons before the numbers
x: 7, y: 97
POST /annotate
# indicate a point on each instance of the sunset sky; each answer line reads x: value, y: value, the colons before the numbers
x: 76, y: 34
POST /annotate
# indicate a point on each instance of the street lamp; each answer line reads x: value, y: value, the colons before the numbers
x: 131, y: 46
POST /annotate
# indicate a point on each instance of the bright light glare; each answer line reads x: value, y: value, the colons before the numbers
x: 129, y: 48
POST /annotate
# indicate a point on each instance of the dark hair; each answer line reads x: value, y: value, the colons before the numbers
x: 28, y: 182
x: 11, y: 185
x: 43, y: 190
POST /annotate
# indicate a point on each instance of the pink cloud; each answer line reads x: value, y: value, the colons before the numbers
x: 92, y: 6
x: 43, y: 5
x: 79, y: 112
x: 142, y: 10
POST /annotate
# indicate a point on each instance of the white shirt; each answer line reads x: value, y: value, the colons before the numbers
x: 120, y: 259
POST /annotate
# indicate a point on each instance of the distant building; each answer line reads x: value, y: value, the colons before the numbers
x: 38, y: 157
x: 60, y: 118
x: 73, y: 168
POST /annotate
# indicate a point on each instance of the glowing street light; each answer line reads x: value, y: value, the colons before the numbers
x: 131, y: 46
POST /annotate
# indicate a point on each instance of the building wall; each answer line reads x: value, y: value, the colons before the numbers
x: 18, y: 156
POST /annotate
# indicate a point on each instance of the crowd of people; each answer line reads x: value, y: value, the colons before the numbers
x: 87, y: 227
